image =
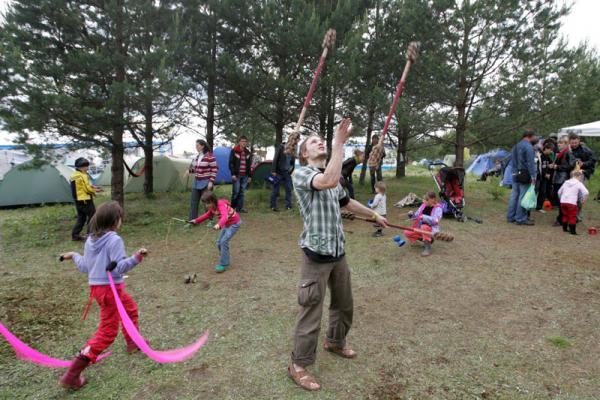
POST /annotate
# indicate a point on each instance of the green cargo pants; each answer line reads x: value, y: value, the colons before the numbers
x: 314, y: 277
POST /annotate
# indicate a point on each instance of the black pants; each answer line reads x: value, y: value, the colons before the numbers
x: 376, y: 176
x: 85, y: 212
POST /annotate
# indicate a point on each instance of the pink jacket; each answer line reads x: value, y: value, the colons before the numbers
x: 227, y: 215
x: 570, y: 191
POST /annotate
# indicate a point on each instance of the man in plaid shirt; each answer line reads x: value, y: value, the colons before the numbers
x: 320, y: 197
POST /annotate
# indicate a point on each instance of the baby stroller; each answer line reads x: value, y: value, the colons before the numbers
x: 450, y: 183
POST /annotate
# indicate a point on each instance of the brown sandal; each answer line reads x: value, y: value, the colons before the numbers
x: 303, y: 379
x: 345, y: 352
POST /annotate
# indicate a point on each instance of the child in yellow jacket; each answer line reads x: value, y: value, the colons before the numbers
x: 83, y: 193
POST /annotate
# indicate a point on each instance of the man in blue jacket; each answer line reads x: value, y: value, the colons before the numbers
x: 523, y: 174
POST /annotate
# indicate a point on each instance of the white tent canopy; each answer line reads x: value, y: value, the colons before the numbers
x: 590, y: 129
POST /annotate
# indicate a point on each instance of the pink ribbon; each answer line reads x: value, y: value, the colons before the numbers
x: 27, y: 353
x: 163, y: 357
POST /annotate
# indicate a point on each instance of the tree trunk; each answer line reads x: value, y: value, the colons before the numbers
x: 401, y: 152
x: 117, y: 139
x: 363, y: 171
x: 148, y: 151
x: 211, y: 89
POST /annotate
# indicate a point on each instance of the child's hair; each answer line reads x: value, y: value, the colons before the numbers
x: 381, y: 186
x: 548, y: 145
x: 430, y: 195
x: 577, y: 174
x: 209, y: 197
x: 106, y: 218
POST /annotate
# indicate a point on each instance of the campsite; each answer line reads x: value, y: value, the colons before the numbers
x: 292, y: 199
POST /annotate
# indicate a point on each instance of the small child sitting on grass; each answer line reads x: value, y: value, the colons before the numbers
x: 229, y: 222
x: 426, y: 218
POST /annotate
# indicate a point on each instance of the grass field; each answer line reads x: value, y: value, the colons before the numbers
x: 503, y: 312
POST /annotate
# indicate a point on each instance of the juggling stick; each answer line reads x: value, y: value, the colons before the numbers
x: 294, y: 138
x: 377, y: 151
x: 444, y: 237
x: 181, y: 220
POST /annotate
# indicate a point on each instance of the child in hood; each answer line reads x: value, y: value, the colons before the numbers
x: 102, y: 248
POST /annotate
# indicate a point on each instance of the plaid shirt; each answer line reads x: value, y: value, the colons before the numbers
x: 323, y: 232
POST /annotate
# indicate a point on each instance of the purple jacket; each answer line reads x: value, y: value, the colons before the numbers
x: 432, y: 220
x: 99, y: 253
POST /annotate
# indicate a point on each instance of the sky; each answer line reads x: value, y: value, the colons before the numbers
x: 581, y: 25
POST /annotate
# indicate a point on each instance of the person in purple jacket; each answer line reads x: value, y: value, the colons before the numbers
x: 426, y: 218
x: 104, y: 251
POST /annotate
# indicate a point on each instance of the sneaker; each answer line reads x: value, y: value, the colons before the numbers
x: 542, y: 211
x: 221, y: 268
x: 288, y: 208
x: 377, y: 234
x: 242, y: 210
x: 274, y: 209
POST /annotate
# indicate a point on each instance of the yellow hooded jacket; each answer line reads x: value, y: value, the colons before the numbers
x: 81, y: 187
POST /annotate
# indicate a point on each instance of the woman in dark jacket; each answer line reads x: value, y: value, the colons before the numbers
x: 564, y: 164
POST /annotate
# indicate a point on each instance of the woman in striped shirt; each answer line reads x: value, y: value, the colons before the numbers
x: 204, y: 169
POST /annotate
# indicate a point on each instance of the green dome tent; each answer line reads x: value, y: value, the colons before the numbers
x: 104, y: 179
x: 26, y: 185
x: 169, y: 175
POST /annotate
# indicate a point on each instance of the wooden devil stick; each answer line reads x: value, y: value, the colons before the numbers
x: 294, y: 138
x: 377, y: 151
x: 445, y: 237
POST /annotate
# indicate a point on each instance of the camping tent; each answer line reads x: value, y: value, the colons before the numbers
x: 590, y: 129
x: 169, y: 175
x: 259, y: 173
x: 485, y: 162
x: 26, y: 184
x: 9, y: 158
x: 223, y: 172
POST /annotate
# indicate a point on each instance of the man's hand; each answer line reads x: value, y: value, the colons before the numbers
x: 249, y: 179
x: 274, y: 173
x: 233, y: 178
x: 210, y: 186
x: 381, y: 221
x: 343, y: 131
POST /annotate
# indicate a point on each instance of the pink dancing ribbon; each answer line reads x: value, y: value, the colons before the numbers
x: 163, y: 357
x: 27, y: 353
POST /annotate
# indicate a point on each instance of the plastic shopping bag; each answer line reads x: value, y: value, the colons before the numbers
x: 529, y: 200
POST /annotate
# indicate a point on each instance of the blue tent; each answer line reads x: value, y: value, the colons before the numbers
x: 487, y: 161
x: 507, y: 171
x: 222, y: 156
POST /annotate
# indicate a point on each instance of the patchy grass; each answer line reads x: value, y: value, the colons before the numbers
x: 477, y: 319
x: 559, y: 341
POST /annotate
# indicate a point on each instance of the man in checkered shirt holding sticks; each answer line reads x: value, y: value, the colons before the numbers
x: 320, y: 198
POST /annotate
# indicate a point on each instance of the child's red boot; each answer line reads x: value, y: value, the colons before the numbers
x: 72, y: 379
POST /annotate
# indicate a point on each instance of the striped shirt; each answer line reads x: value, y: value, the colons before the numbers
x: 323, y: 232
x: 205, y: 167
x: 243, y: 164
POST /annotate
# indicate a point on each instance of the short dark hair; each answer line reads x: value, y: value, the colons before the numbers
x: 374, y: 137
x: 528, y: 133
x: 549, y: 145
x: 573, y: 135
x: 243, y: 137
x: 106, y: 218
x: 209, y: 197
x: 206, y: 146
